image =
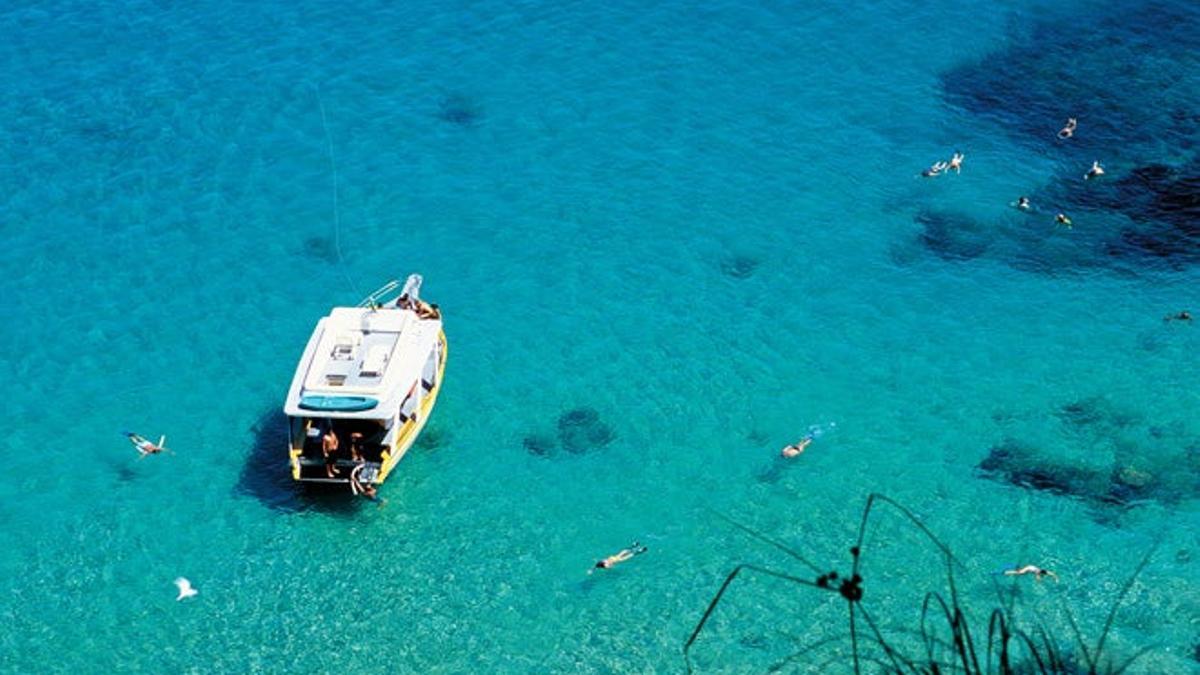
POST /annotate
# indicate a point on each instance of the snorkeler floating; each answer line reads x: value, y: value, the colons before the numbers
x: 634, y: 549
x: 935, y: 170
x: 940, y: 167
x: 1184, y: 315
x: 1062, y: 219
x: 1068, y: 129
x: 814, y: 432
x: 1023, y: 203
x: 1094, y: 172
x: 956, y: 162
x: 797, y: 447
x: 1036, y: 571
x: 185, y: 589
x: 144, y: 446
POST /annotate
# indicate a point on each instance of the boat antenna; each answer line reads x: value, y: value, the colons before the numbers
x: 337, y: 218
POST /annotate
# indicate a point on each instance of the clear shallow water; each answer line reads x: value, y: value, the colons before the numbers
x: 576, y: 184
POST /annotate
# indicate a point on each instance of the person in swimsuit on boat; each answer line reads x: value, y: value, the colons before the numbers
x: 1068, y: 129
x: 1036, y: 571
x: 797, y: 447
x: 356, y: 486
x: 634, y: 549
x: 144, y: 447
x: 425, y: 310
x: 329, y: 446
x: 356, y: 441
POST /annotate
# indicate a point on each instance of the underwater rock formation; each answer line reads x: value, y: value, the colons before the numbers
x: 459, y: 110
x: 951, y: 236
x: 321, y: 248
x: 1094, y: 411
x: 541, y: 445
x: 431, y: 438
x: 1013, y: 463
x: 1135, y: 88
x: 1125, y: 484
x: 739, y: 266
x: 1166, y: 202
x: 581, y: 430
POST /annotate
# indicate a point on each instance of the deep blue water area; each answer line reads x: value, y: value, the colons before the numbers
x: 668, y: 240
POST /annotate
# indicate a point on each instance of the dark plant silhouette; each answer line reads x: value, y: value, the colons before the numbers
x: 1007, y: 648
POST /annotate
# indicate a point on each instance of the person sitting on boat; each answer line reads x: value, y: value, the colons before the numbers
x: 329, y: 446
x: 634, y: 549
x: 405, y: 302
x: 797, y: 447
x: 144, y: 446
x: 368, y: 491
x: 427, y: 311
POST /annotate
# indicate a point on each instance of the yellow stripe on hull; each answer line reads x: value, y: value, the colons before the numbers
x: 412, y: 428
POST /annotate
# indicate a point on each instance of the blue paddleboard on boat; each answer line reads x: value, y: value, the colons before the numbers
x: 338, y: 403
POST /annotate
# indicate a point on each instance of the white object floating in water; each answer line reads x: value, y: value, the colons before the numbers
x: 185, y: 589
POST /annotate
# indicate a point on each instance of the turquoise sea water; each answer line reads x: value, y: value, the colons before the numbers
x: 702, y: 222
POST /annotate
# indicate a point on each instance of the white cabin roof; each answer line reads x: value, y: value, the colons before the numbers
x: 360, y: 352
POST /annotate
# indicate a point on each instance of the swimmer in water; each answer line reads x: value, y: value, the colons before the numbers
x: 1182, y: 316
x: 1023, y: 203
x: 634, y: 549
x: 797, y: 447
x: 1036, y: 571
x: 144, y: 446
x: 935, y: 170
x: 1068, y: 129
x: 956, y: 162
x: 1062, y: 219
x: 1094, y: 172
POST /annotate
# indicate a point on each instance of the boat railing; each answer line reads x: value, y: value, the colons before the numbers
x: 372, y: 300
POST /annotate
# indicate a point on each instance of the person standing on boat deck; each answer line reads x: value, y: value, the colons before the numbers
x: 329, y: 446
x: 356, y: 440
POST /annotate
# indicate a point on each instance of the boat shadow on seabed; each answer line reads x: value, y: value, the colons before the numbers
x: 266, y: 477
